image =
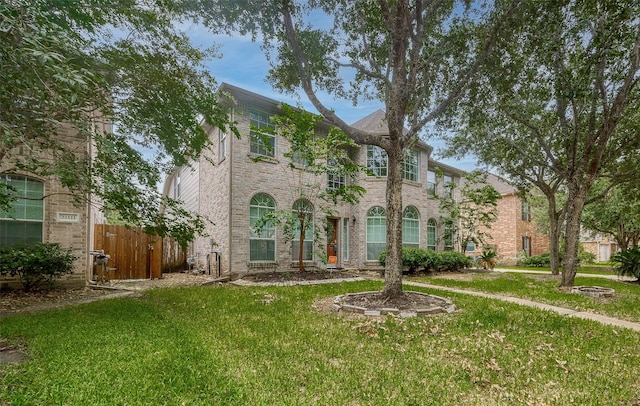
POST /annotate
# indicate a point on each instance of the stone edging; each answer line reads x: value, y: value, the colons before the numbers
x: 446, y: 307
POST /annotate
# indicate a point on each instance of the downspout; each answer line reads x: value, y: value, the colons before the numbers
x: 230, y: 199
x: 88, y: 265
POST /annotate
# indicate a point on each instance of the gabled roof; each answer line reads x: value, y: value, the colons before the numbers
x: 374, y: 124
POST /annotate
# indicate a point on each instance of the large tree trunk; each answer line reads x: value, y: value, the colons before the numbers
x: 575, y: 205
x: 555, y: 227
x: 393, y: 265
x: 554, y: 241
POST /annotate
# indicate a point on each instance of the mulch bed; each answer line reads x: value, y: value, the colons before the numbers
x: 408, y: 301
x: 297, y: 276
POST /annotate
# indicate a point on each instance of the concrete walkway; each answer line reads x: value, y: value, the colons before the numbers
x: 585, y: 275
x: 524, y: 302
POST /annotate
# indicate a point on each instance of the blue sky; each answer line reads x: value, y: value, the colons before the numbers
x: 244, y: 64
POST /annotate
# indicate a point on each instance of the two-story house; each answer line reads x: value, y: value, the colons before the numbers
x: 515, y: 230
x: 234, y: 189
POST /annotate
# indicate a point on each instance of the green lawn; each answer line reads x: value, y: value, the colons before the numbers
x: 544, y: 288
x: 268, y: 346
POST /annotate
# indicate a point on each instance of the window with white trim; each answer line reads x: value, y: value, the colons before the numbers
x: 431, y: 183
x: 410, y: 227
x: 432, y: 234
x: 262, y: 244
x: 262, y: 143
x: 335, y: 179
x: 223, y: 144
x: 376, y: 160
x: 345, y: 239
x: 411, y: 166
x: 376, y: 232
x: 448, y: 185
x: 23, y: 223
x: 302, y: 208
x: 449, y: 234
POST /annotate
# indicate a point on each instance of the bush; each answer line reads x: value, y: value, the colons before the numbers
x: 35, y: 264
x: 629, y: 262
x: 538, y: 260
x: 425, y: 259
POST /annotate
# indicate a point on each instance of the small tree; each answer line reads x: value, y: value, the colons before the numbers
x: 318, y: 169
x: 472, y: 212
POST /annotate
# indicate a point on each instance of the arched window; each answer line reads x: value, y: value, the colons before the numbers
x: 302, y: 212
x: 376, y: 232
x: 262, y: 243
x: 23, y: 222
x: 432, y: 234
x: 410, y: 227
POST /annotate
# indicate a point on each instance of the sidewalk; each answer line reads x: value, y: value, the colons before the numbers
x: 524, y: 302
x: 585, y: 275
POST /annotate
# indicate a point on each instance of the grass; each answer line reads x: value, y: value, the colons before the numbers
x: 544, y: 288
x: 268, y: 346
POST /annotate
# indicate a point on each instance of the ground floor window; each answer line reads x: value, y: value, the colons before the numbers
x: 410, y: 227
x: 345, y: 239
x: 432, y: 234
x: 526, y: 245
x: 23, y: 222
x: 262, y: 242
x: 449, y: 233
x: 302, y: 213
x: 376, y: 232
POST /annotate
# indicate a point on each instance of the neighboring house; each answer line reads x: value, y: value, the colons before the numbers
x: 515, y: 231
x: 47, y: 212
x: 233, y: 191
x: 603, y: 247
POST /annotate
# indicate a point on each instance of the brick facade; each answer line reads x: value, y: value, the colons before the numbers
x: 66, y: 220
x: 227, y: 182
x: 510, y: 228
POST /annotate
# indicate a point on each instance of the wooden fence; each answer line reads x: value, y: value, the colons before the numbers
x: 133, y: 254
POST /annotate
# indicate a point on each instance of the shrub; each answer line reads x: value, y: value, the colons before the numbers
x: 629, y: 262
x: 35, y: 264
x: 419, y: 258
x: 539, y: 260
x: 452, y: 261
x: 488, y: 259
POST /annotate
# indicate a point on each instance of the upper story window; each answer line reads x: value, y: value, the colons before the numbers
x: 526, y: 211
x: 410, y: 171
x: 376, y: 160
x: 262, y: 143
x: 23, y: 223
x: 335, y: 179
x: 449, y: 185
x: 222, y: 144
x: 431, y: 183
x: 176, y: 183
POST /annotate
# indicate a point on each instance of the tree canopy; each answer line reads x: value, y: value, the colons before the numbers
x: 556, y: 107
x: 90, y: 64
x: 414, y: 56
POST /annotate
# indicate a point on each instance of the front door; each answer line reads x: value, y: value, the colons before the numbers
x: 332, y: 242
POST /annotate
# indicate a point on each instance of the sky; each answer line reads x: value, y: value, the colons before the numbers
x: 244, y: 64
